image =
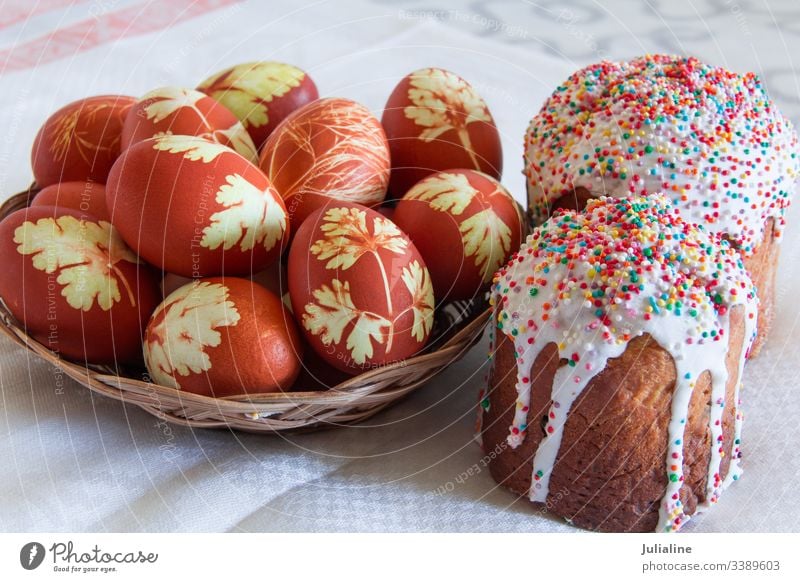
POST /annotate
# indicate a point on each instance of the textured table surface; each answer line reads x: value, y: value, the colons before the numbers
x: 74, y: 461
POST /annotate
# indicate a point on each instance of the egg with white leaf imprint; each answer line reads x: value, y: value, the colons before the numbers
x: 222, y: 336
x: 261, y: 94
x: 435, y: 120
x: 195, y: 208
x: 359, y: 288
x: 465, y: 224
x: 74, y: 285
x: 331, y: 149
x: 179, y: 111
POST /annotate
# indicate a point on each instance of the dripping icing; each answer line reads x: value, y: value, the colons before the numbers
x: 588, y: 331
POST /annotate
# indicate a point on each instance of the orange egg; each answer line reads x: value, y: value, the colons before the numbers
x: 331, y: 149
x: 359, y: 288
x: 465, y: 225
x: 434, y: 121
x: 74, y: 285
x: 261, y: 94
x: 222, y: 337
x: 80, y: 141
x: 87, y: 197
x: 185, y: 112
x: 195, y: 208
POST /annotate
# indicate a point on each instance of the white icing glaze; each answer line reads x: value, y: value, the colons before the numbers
x: 709, y: 139
x: 604, y: 277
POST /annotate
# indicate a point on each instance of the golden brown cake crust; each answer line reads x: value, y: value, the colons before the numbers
x: 610, y: 472
x: 762, y: 267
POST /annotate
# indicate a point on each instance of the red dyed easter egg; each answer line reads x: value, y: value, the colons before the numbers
x: 261, y: 94
x: 75, y: 285
x: 222, y: 336
x: 331, y: 149
x: 359, y: 288
x: 465, y: 225
x: 195, y: 208
x: 80, y: 141
x: 87, y: 197
x: 185, y: 112
x: 434, y: 121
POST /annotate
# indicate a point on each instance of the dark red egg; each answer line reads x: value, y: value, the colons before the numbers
x: 196, y: 208
x: 74, y: 284
x: 178, y: 111
x: 435, y: 120
x: 359, y: 288
x: 80, y: 141
x: 465, y: 225
x: 331, y: 149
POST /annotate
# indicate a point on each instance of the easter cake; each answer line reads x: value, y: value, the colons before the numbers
x: 619, y: 341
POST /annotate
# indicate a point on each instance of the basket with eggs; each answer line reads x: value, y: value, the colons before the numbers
x: 249, y: 255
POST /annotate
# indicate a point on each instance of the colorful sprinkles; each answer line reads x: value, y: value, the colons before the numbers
x: 590, y: 282
x: 709, y: 139
x: 610, y: 252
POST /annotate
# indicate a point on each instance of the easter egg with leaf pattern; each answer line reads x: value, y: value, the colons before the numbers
x: 465, y: 225
x: 179, y: 111
x: 261, y: 94
x: 74, y: 285
x: 331, y: 149
x: 80, y: 141
x: 223, y: 336
x: 195, y: 208
x: 434, y: 121
x: 359, y: 288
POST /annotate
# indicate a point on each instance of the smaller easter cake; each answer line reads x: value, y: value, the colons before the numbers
x: 621, y: 335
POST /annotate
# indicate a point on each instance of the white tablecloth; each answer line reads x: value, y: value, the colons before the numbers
x: 75, y: 461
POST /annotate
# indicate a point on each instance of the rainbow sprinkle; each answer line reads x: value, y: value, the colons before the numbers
x: 711, y: 140
x: 624, y: 260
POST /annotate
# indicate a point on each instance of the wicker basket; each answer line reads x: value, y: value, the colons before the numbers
x: 457, y: 327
